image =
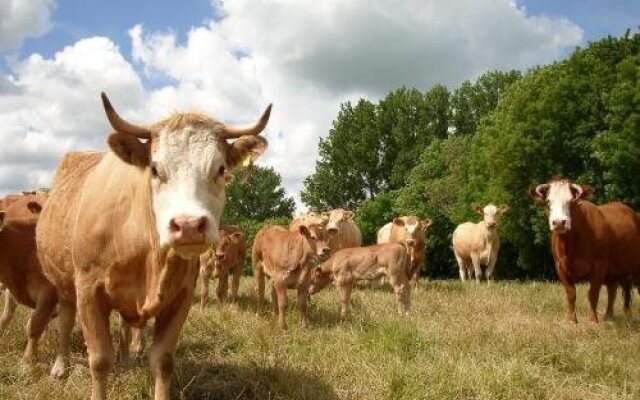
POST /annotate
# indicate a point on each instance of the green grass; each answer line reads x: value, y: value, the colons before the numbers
x: 503, y: 341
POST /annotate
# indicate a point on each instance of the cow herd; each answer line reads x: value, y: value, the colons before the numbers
x: 131, y: 229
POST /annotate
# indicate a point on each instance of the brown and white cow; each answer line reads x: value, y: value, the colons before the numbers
x: 477, y: 244
x: 409, y: 230
x: 287, y: 258
x: 342, y: 229
x: 123, y: 230
x: 20, y: 270
x: 227, y: 257
x: 316, y: 223
x: 598, y: 244
x: 347, y: 266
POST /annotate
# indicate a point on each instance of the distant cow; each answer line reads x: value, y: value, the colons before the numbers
x: 227, y: 257
x: 287, y: 258
x: 410, y: 231
x: 123, y: 230
x: 598, y: 244
x: 342, y: 229
x: 20, y: 270
x: 347, y: 266
x: 477, y: 245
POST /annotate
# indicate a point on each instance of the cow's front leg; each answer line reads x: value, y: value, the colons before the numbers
x: 594, y: 294
x: 477, y: 268
x: 66, y: 320
x: 124, y: 345
x: 137, y: 341
x: 167, y: 330
x: 205, y: 276
x: 303, y: 296
x: 235, y: 283
x: 626, y: 295
x: 612, y: 290
x: 281, y: 294
x: 570, y: 289
x: 8, y: 311
x: 223, y: 285
x: 345, y: 289
x: 40, y: 317
x: 488, y: 273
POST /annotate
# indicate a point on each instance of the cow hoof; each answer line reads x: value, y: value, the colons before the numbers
x: 26, y: 364
x: 58, y: 369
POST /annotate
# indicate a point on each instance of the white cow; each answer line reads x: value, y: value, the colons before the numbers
x: 475, y: 245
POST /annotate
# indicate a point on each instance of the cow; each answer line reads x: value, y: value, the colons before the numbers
x: 595, y: 243
x: 410, y: 231
x: 227, y: 257
x: 342, y: 229
x: 317, y: 225
x: 20, y: 271
x: 477, y: 244
x: 122, y: 231
x: 347, y: 266
x: 287, y: 258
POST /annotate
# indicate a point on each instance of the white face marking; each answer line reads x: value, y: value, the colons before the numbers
x: 189, y: 184
x: 491, y: 215
x: 559, y: 196
x: 335, y: 218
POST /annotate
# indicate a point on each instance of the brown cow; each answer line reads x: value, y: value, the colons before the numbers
x: 287, y: 258
x: 347, y: 266
x: 598, y: 244
x: 227, y: 257
x: 409, y: 230
x: 20, y: 270
x: 317, y: 225
x: 342, y: 229
x: 123, y: 230
x: 475, y: 245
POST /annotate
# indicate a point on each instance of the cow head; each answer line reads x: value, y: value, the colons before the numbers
x: 491, y: 214
x: 412, y: 227
x: 320, y: 279
x: 320, y: 236
x: 186, y: 158
x: 558, y: 195
x: 336, y: 218
x: 226, y: 240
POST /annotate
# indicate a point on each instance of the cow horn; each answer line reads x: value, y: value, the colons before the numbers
x: 119, y: 124
x: 232, y: 132
x: 578, y: 190
x: 540, y: 188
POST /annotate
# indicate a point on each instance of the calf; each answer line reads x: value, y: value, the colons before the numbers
x: 227, y: 257
x: 598, y: 244
x: 347, y: 266
x: 287, y: 258
x: 317, y: 226
x: 477, y: 245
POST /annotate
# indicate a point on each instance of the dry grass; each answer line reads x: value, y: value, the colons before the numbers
x: 505, y: 341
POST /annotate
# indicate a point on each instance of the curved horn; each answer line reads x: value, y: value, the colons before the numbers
x: 232, y: 132
x: 120, y: 124
x: 540, y: 188
x: 578, y: 190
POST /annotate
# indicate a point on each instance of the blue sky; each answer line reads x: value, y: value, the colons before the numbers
x: 305, y: 56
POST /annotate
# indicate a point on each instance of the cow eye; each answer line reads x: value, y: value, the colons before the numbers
x: 221, y: 170
x: 154, y: 170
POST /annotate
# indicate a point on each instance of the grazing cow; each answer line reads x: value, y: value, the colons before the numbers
x: 409, y: 230
x: 477, y: 245
x: 20, y: 270
x: 347, y: 266
x: 123, y: 230
x: 598, y: 244
x: 342, y: 229
x: 287, y: 258
x: 227, y: 257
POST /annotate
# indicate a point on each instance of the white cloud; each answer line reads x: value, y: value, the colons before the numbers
x: 21, y: 19
x: 304, y: 56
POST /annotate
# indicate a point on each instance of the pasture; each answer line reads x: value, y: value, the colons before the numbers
x: 507, y: 340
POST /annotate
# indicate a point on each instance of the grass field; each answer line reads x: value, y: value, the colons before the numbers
x: 504, y: 341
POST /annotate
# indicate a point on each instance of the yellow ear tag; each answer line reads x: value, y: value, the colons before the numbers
x: 246, y: 161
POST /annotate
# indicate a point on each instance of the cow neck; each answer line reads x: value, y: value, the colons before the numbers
x: 563, y: 241
x: 489, y: 235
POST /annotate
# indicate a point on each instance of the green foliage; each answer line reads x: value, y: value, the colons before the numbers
x: 373, y: 215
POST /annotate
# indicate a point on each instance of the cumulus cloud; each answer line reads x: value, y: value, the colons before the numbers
x: 304, y: 56
x: 20, y: 19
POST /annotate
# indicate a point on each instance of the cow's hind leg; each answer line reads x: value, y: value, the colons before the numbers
x: 167, y: 330
x: 612, y: 290
x: 124, y: 344
x: 235, y: 283
x: 8, y: 311
x: 626, y: 295
x: 345, y: 289
x: 258, y: 273
x: 594, y: 294
x: 66, y: 320
x: 40, y: 317
x: 303, y: 296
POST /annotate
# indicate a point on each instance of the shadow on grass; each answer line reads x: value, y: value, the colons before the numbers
x: 201, y: 380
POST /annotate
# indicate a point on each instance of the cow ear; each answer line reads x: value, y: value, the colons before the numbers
x: 2, y: 219
x: 478, y: 208
x: 245, y: 150
x: 349, y: 214
x: 503, y: 208
x: 34, y: 207
x: 587, y: 191
x: 539, y: 192
x: 398, y: 221
x: 304, y: 231
x: 129, y: 149
x: 427, y: 222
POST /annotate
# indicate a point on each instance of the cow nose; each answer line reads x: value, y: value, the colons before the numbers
x: 220, y: 257
x: 188, y: 230
x: 325, y: 250
x: 411, y: 242
x: 559, y: 223
x: 332, y: 229
x: 491, y: 224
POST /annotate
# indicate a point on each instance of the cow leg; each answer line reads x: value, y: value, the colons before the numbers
x: 66, y: 320
x: 477, y: 268
x: 594, y: 294
x: 258, y: 273
x: 281, y: 293
x: 345, y: 289
x: 462, y: 268
x: 303, y: 297
x: 235, y: 283
x: 223, y: 286
x: 124, y: 344
x: 488, y: 273
x: 274, y: 296
x: 167, y: 330
x: 570, y: 289
x: 137, y: 341
x: 40, y: 317
x: 8, y: 312
x: 626, y: 295
x: 612, y: 290
x: 401, y: 288
x: 205, y: 276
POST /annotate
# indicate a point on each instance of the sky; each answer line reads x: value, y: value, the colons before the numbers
x: 230, y: 59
